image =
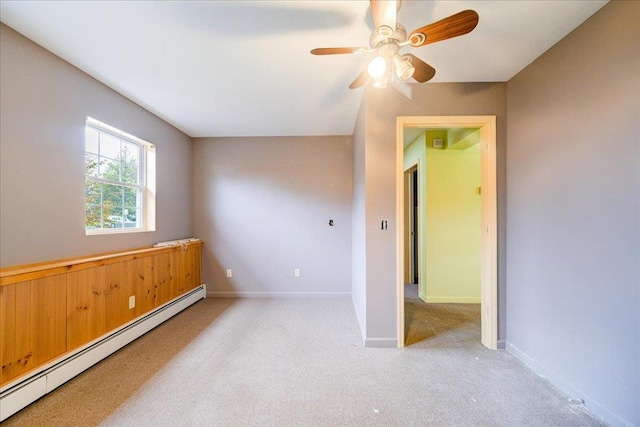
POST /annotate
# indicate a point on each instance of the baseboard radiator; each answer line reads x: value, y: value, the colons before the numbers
x: 15, y: 396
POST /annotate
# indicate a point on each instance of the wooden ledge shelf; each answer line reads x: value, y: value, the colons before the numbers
x: 22, y: 273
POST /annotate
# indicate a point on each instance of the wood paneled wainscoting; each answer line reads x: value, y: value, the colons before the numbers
x: 52, y: 310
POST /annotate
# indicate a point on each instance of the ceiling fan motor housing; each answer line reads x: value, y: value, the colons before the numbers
x: 385, y: 34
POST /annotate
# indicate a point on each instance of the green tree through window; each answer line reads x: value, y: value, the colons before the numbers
x: 114, y: 184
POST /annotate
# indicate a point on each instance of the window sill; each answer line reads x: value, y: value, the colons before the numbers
x: 103, y: 231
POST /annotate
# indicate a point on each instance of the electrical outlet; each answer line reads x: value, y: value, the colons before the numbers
x: 296, y: 272
x: 132, y: 302
x: 229, y: 272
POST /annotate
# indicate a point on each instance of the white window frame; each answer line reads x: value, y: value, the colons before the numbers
x: 146, y: 186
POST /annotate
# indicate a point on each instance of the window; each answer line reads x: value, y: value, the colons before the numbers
x: 119, y: 181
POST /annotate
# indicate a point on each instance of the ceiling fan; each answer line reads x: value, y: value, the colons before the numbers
x: 390, y: 36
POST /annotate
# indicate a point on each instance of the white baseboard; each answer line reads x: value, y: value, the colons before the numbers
x: 215, y: 294
x: 20, y: 393
x: 32, y: 390
x: 381, y: 343
x: 567, y: 388
x: 453, y: 300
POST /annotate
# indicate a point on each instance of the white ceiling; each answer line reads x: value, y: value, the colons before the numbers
x: 243, y: 68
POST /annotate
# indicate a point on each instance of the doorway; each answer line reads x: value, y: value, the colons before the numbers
x: 488, y: 297
x: 445, y: 301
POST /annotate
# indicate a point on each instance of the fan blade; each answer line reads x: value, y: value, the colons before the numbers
x: 337, y: 50
x: 453, y: 26
x: 362, y: 78
x: 384, y: 13
x: 424, y: 72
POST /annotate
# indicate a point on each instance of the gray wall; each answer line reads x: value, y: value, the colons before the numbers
x: 381, y: 108
x: 574, y: 213
x: 262, y: 206
x: 359, y: 243
x: 43, y: 108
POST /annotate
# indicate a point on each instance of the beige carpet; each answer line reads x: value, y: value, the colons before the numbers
x: 301, y: 363
x: 433, y: 325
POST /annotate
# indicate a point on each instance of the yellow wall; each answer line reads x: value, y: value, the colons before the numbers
x: 453, y: 240
x: 449, y: 227
x: 416, y: 154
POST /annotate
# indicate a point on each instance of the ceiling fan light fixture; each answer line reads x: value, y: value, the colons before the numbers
x: 390, y: 36
x: 385, y: 31
x: 403, y: 67
x: 377, y: 67
x: 380, y: 82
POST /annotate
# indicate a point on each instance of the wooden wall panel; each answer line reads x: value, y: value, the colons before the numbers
x: 177, y: 272
x: 47, y: 310
x: 162, y: 278
x: 192, y: 267
x: 116, y: 295
x: 62, y: 305
x: 7, y: 331
x: 86, y: 306
x: 145, y: 301
x: 97, y: 284
x: 22, y: 335
x: 77, y: 309
x: 196, y: 266
x: 60, y: 322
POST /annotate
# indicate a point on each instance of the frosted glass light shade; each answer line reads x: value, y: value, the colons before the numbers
x: 403, y: 67
x: 377, y: 67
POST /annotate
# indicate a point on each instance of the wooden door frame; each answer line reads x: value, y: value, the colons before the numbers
x: 409, y: 268
x: 489, y: 270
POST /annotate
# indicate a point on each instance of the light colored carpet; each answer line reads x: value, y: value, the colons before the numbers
x: 440, y: 325
x: 288, y: 362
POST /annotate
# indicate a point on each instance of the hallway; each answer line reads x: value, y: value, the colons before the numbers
x: 439, y: 325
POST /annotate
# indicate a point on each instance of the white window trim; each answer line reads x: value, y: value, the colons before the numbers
x: 148, y: 181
